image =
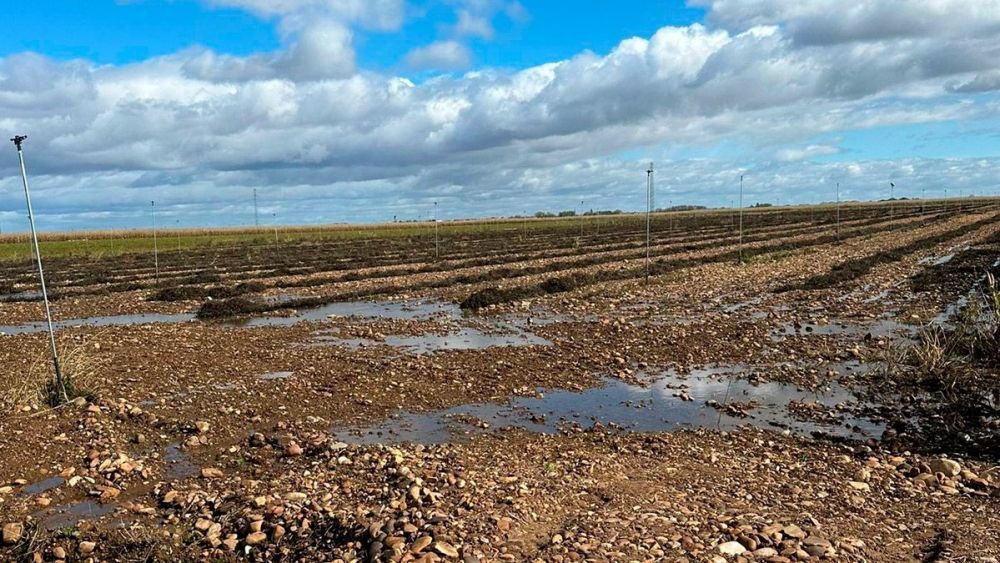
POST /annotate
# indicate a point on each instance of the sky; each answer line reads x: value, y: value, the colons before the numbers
x: 370, y: 110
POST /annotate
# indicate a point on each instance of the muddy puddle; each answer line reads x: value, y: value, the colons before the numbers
x: 461, y: 338
x: 886, y: 326
x: 115, y: 320
x: 495, y: 332
x: 664, y: 402
x: 72, y: 514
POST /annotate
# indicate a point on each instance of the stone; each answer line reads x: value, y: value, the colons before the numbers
x: 12, y: 533
x: 765, y: 553
x: 421, y: 544
x: 793, y: 531
x: 58, y: 552
x: 87, y: 547
x: 211, y: 473
x: 732, y: 548
x: 946, y: 466
x: 256, y: 538
x: 446, y: 549
x: 859, y: 486
x: 202, y: 426
x: 293, y: 449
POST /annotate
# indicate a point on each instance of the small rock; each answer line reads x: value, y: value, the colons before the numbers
x: 12, y: 533
x: 87, y: 547
x: 946, y: 466
x: 256, y: 538
x: 58, y: 552
x: 732, y: 548
x: 211, y: 473
x: 446, y: 549
x: 421, y: 544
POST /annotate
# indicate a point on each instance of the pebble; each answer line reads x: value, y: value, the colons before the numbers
x: 732, y: 548
x: 12, y: 533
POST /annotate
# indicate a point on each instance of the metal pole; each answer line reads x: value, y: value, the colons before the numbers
x: 156, y: 250
x: 741, y: 218
x: 60, y: 385
x: 581, y: 218
x: 838, y: 210
x: 437, y: 244
x: 892, y: 204
x: 649, y: 209
x: 256, y: 216
x: 274, y: 221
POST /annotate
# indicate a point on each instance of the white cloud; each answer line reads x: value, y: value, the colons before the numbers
x: 802, y: 153
x: 440, y: 55
x: 373, y: 14
x: 201, y: 128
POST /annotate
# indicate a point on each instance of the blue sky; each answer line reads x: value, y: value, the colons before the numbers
x: 120, y: 31
x: 361, y: 110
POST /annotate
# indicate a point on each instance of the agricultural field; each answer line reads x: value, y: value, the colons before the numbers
x: 824, y: 385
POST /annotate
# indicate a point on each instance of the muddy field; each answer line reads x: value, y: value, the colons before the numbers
x: 529, y: 391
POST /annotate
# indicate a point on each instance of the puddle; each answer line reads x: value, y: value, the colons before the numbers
x: 464, y: 338
x: 43, y: 486
x: 71, y: 514
x: 398, y: 310
x: 387, y: 310
x: 653, y: 408
x: 179, y: 465
x: 884, y: 327
x: 117, y: 320
x: 275, y: 375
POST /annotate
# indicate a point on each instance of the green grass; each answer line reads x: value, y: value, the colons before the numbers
x: 98, y: 244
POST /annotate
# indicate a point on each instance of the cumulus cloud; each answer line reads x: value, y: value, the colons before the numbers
x: 321, y: 50
x: 809, y: 151
x: 983, y: 82
x: 827, y: 22
x: 440, y: 55
x: 200, y: 128
x: 373, y: 14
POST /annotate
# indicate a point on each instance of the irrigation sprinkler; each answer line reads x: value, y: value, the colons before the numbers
x: 274, y: 223
x: 892, y: 203
x: 581, y: 219
x: 649, y: 209
x: 741, y: 218
x: 437, y: 243
x: 18, y: 140
x: 156, y: 249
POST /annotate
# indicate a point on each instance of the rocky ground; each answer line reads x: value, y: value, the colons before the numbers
x: 209, y: 441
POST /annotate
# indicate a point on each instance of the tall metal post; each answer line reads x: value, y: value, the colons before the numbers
x: 256, y: 216
x: 437, y: 243
x: 838, y: 210
x: 649, y: 210
x: 892, y: 204
x: 156, y: 249
x: 60, y: 384
x: 741, y: 218
x: 581, y: 218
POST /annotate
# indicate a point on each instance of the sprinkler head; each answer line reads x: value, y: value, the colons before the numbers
x: 18, y: 139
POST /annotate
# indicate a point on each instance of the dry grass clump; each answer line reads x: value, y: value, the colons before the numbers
x: 35, y: 386
x: 948, y: 381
